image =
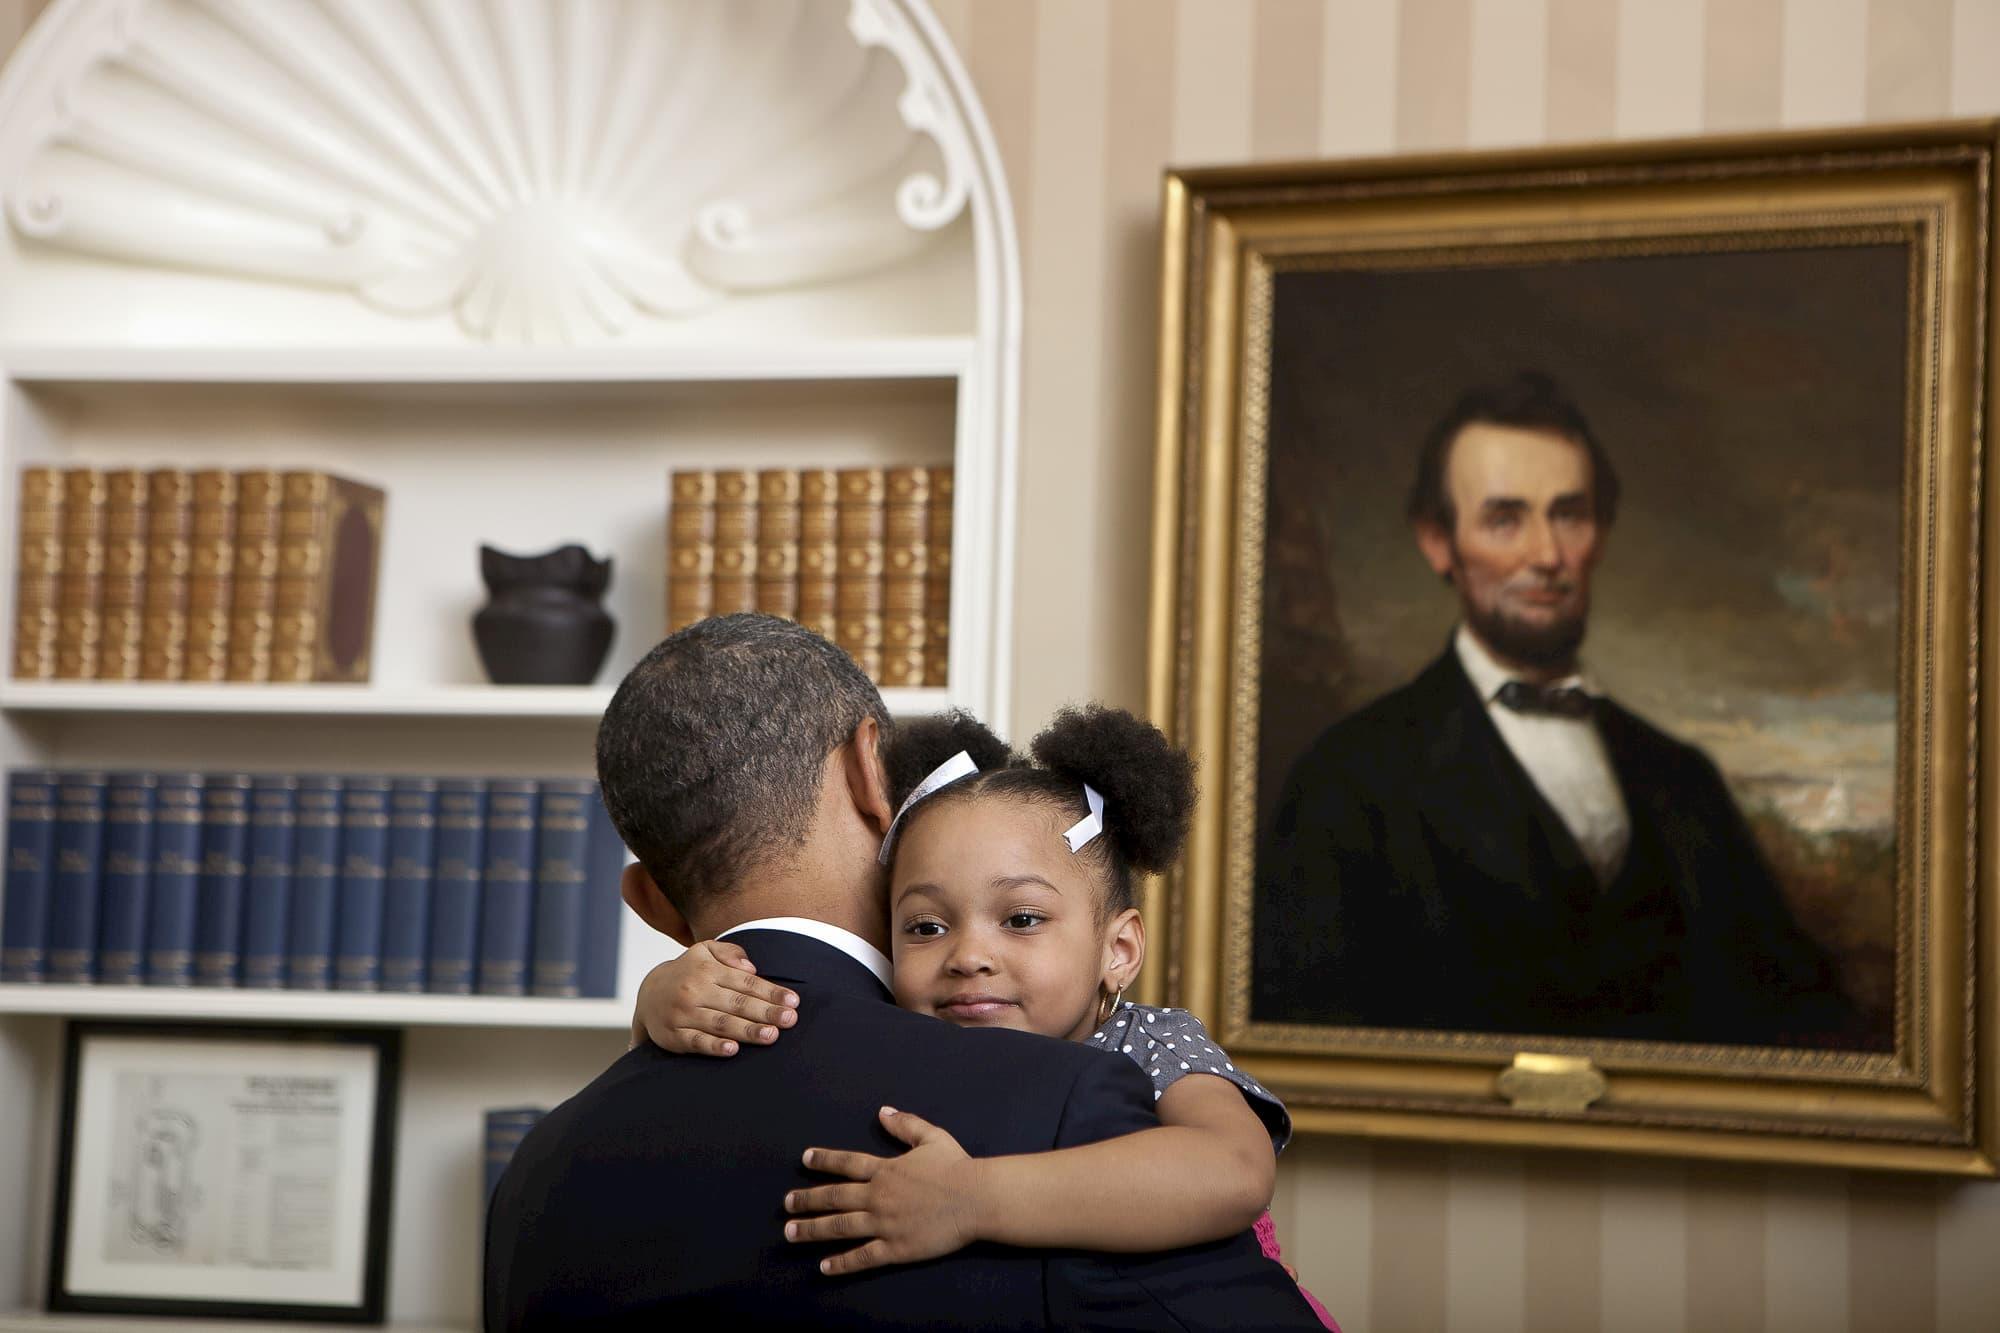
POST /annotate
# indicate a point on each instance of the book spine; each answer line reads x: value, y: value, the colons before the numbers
x: 128, y: 878
x: 819, y: 551
x: 690, y: 548
x: 169, y: 532
x: 506, y: 914
x: 562, y: 846
x: 329, y: 554
x: 122, y: 615
x: 734, y: 587
x: 937, y: 581
x: 315, y: 878
x: 80, y: 590
x: 302, y: 560
x: 32, y: 796
x: 225, y: 850
x: 778, y: 542
x: 253, y: 597
x: 505, y: 1128
x: 170, y: 915
x: 267, y: 889
x: 364, y: 876
x: 905, y: 562
x: 406, y: 910
x: 38, y: 571
x: 79, y: 879
x: 345, y: 651
x: 455, y: 885
x: 211, y: 575
x: 858, y: 588
x: 603, y: 907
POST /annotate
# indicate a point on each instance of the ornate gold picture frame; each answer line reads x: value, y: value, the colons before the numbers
x: 1722, y: 883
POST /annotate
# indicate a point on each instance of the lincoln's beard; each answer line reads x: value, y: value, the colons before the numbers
x: 1550, y: 646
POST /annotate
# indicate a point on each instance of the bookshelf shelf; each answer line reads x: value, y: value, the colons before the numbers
x: 322, y: 1007
x: 33, y: 1321
x: 581, y: 702
x: 762, y: 361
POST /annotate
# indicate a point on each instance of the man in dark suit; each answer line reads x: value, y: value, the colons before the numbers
x: 1496, y: 846
x: 740, y: 763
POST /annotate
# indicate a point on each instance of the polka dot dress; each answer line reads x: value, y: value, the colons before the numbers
x: 1170, y: 1043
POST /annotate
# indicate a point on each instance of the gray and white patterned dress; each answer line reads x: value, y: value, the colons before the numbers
x: 1171, y: 1043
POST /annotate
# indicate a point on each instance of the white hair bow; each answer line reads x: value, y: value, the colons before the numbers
x: 951, y: 770
x: 1078, y: 835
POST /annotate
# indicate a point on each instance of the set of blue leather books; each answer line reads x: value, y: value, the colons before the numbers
x: 493, y: 886
x: 506, y: 1126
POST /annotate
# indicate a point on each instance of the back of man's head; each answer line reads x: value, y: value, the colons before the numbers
x: 712, y: 752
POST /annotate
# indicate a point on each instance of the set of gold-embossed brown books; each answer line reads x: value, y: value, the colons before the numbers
x: 861, y: 556
x: 195, y: 575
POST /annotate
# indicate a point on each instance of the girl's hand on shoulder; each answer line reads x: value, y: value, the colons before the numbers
x: 710, y: 1001
x: 917, y: 1206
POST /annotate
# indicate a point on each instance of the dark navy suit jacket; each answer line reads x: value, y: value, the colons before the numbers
x: 1415, y: 876
x: 654, y: 1198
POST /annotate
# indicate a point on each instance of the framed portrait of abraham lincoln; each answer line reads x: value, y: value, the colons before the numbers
x: 1570, y: 575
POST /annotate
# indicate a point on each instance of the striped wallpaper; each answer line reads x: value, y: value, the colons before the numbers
x: 1089, y: 99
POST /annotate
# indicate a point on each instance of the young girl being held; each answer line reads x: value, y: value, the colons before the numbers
x: 1011, y: 904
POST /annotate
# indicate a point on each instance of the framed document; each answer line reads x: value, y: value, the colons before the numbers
x: 232, y: 1171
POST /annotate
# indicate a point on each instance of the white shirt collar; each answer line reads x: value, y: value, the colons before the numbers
x: 860, y: 950
x: 1487, y: 675
x: 1564, y: 757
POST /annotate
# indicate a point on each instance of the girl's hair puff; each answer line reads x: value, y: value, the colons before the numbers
x: 1147, y: 783
x: 918, y: 746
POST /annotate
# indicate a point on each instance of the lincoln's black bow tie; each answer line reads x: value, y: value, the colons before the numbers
x: 1547, y: 700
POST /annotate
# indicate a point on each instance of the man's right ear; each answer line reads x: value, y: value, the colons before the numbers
x: 867, y: 776
x: 644, y: 896
x: 1436, y: 545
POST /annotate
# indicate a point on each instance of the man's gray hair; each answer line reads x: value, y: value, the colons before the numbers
x: 711, y: 754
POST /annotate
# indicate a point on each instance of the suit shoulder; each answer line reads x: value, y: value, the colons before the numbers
x: 1660, y: 748
x: 1385, y: 726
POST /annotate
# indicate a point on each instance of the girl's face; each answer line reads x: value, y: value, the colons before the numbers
x: 994, y: 922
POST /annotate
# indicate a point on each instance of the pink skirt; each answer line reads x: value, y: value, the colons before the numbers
x: 1267, y: 1236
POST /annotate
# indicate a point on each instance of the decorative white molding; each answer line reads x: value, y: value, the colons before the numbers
x: 928, y: 108
x: 990, y: 396
x: 545, y: 170
x: 195, y: 226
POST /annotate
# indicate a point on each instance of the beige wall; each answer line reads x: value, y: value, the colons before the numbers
x: 1089, y: 99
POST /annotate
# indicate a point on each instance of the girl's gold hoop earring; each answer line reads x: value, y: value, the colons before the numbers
x: 1108, y: 1003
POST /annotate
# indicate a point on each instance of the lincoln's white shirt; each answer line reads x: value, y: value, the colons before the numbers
x: 1564, y: 756
x: 860, y: 950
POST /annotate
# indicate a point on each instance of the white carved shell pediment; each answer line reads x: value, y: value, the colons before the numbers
x: 545, y: 170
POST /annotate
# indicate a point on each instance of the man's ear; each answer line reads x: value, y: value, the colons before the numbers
x: 1436, y: 544
x: 1124, y: 949
x: 867, y: 778
x: 637, y: 887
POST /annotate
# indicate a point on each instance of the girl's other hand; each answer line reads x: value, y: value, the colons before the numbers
x: 917, y: 1206
x: 709, y: 1001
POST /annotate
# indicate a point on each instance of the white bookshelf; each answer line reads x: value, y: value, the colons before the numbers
x: 521, y: 465
x: 579, y: 702
x: 201, y: 1004
x: 34, y: 1321
x: 761, y: 360
x: 860, y: 256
